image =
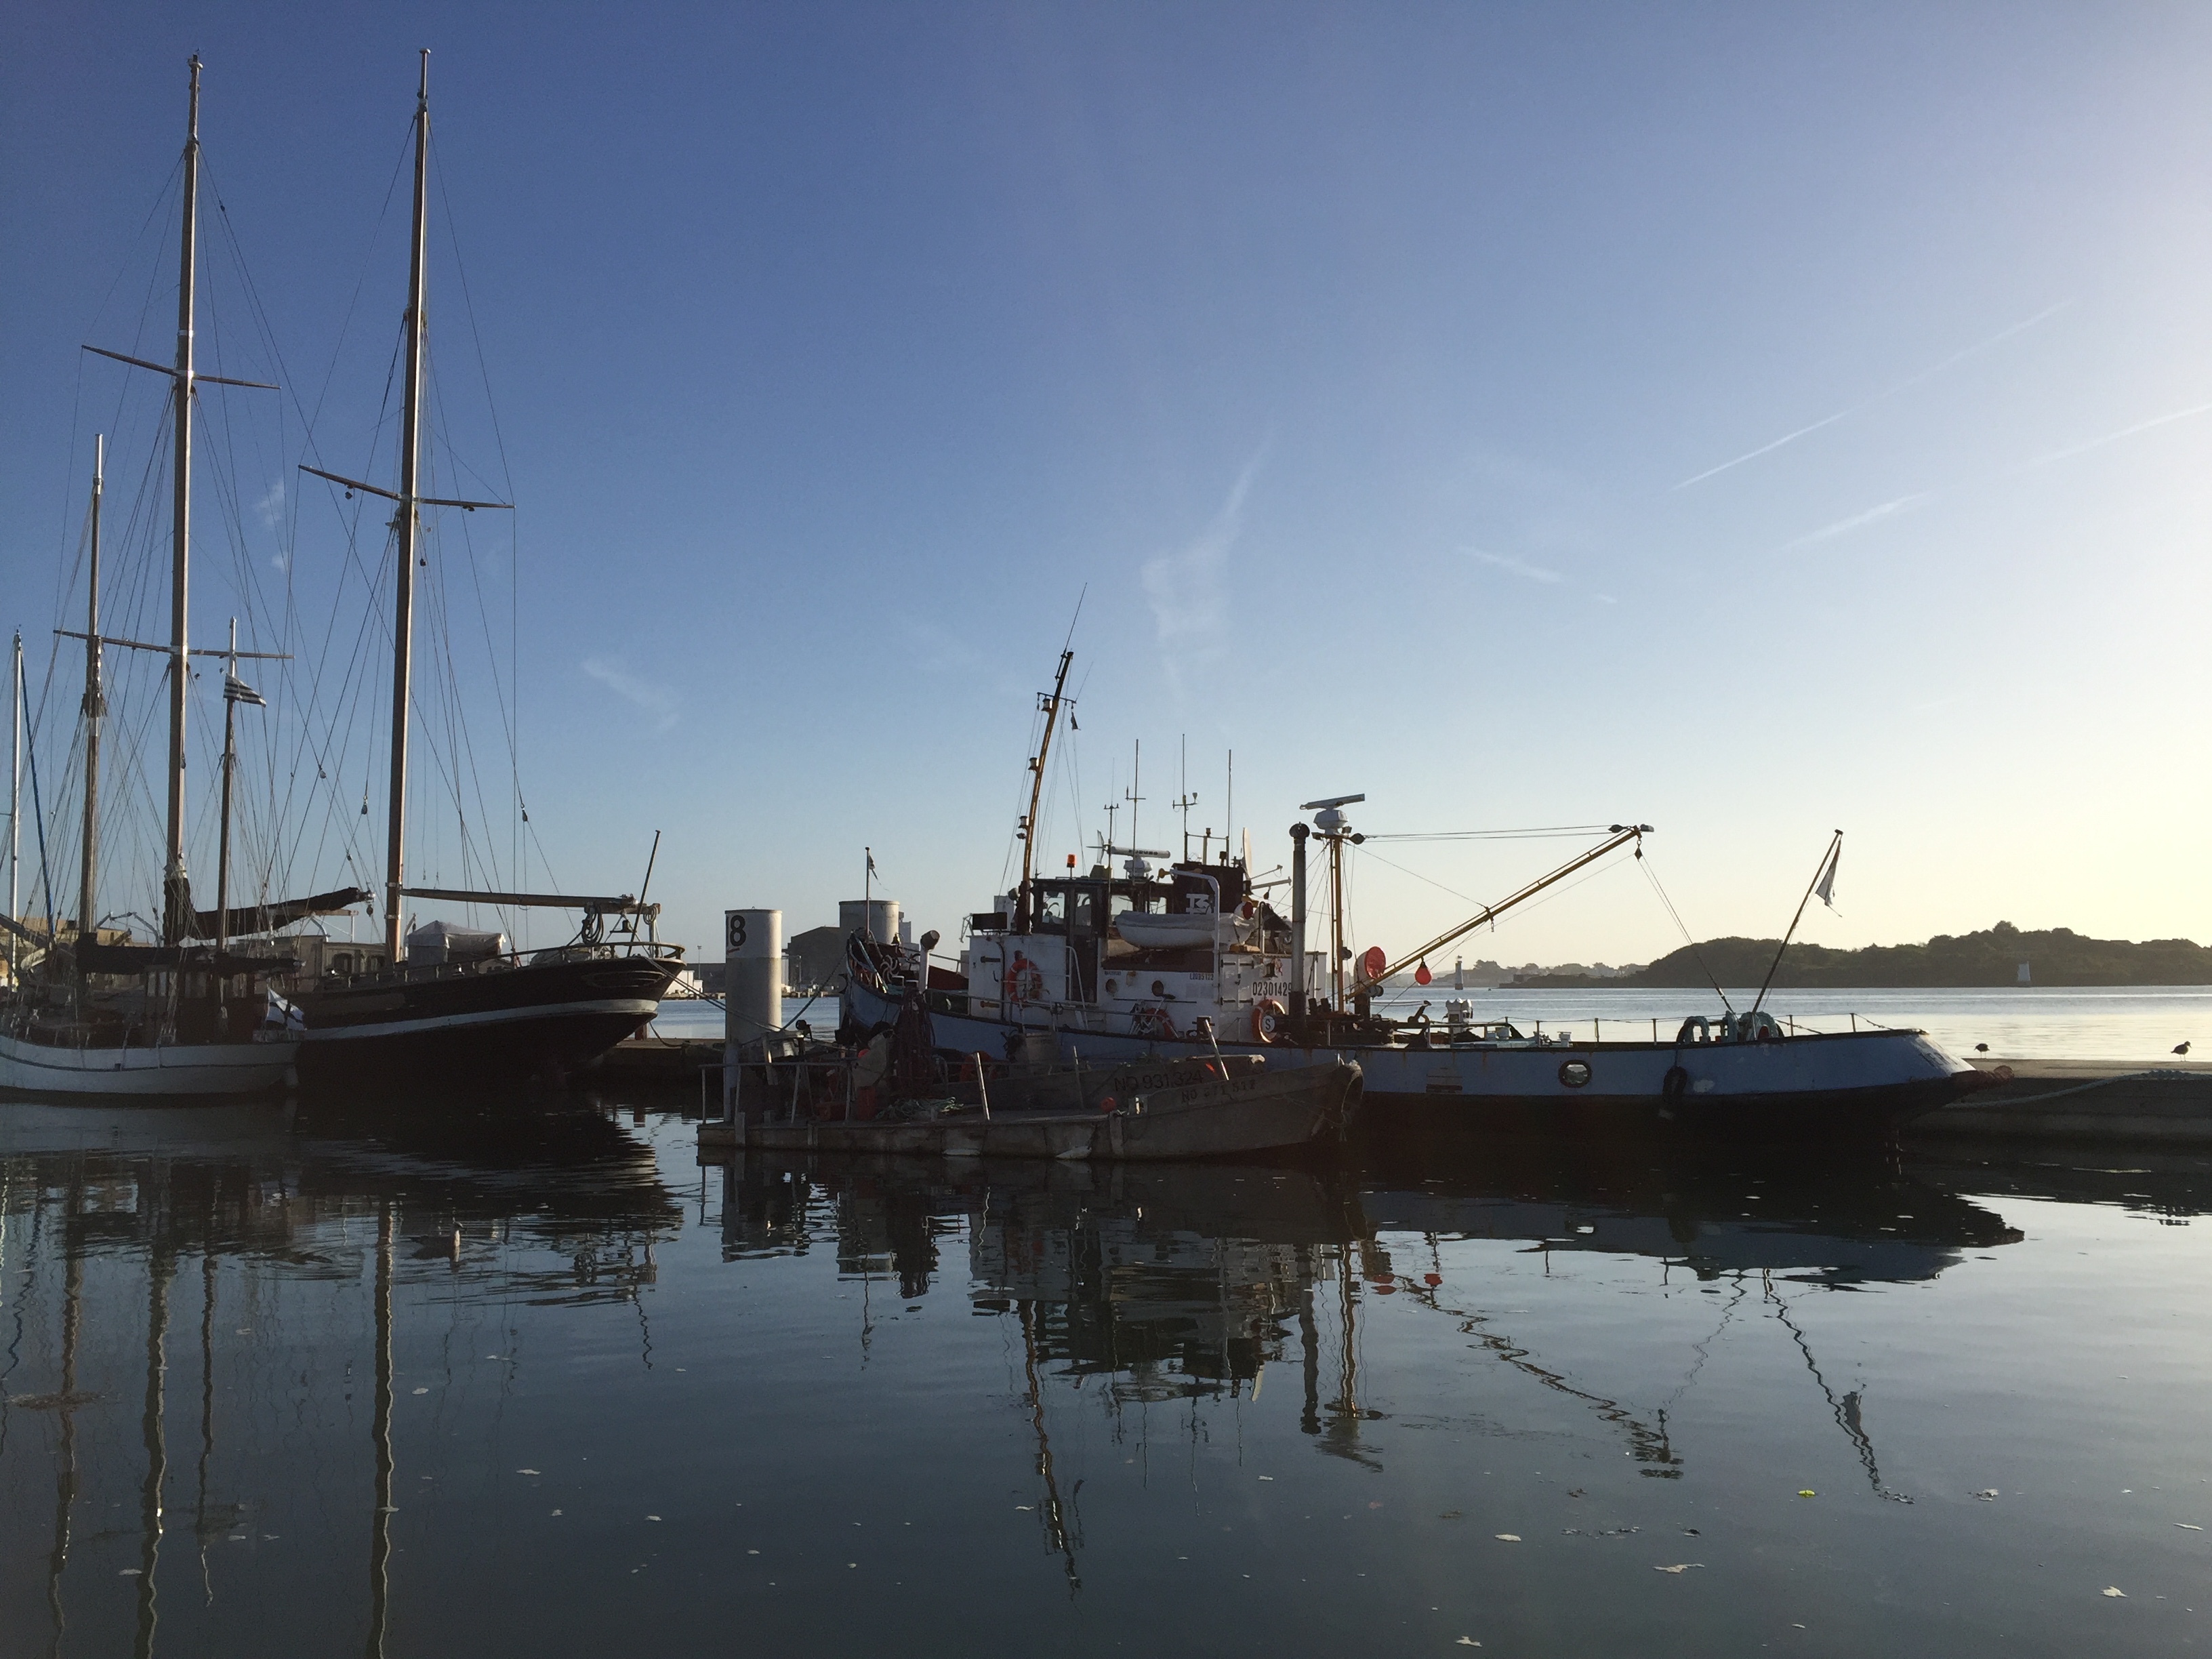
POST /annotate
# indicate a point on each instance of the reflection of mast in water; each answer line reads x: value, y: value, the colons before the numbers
x: 65, y: 1480
x: 1340, y: 1435
x: 159, y: 1266
x: 1308, y: 1351
x: 1646, y: 1444
x: 380, y: 1528
x: 207, y: 1393
x: 1055, y: 1521
x: 1846, y: 1410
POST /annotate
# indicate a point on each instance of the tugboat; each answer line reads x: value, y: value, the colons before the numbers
x: 449, y: 1003
x: 1188, y: 959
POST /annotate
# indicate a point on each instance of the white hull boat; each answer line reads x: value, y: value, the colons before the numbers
x: 1806, y: 1085
x: 207, y: 1070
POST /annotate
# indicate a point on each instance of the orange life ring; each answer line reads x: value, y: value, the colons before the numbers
x: 1270, y: 1022
x: 1153, y: 1020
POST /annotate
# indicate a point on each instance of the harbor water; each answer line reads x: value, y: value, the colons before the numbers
x: 279, y: 1382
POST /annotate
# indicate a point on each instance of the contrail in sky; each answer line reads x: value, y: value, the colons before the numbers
x: 1906, y: 503
x: 1764, y: 449
x: 1518, y: 567
x: 1905, y: 385
x: 1845, y: 527
x: 2124, y: 432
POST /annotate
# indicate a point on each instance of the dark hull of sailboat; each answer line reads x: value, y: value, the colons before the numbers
x: 506, y: 1024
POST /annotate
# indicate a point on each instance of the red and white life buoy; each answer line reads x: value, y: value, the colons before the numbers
x: 1023, y: 982
x: 1152, y: 1020
x: 1270, y: 1022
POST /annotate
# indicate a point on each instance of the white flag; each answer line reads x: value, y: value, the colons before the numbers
x: 1826, y: 887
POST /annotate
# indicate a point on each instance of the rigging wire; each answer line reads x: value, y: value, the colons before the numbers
x: 1652, y: 876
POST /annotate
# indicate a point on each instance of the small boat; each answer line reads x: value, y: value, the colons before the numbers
x: 1226, y: 1107
x: 1150, y: 930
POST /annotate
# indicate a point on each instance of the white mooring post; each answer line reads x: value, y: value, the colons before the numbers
x: 752, y: 987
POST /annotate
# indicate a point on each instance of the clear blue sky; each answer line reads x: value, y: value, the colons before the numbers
x: 1751, y: 420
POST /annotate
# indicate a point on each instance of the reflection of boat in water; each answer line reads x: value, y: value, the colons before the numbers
x: 2172, y: 1185
x: 1856, y: 1224
x: 1196, y: 1284
x: 272, y: 1204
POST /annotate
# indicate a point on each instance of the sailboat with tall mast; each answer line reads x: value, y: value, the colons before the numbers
x: 88, y: 1013
x: 447, y: 1003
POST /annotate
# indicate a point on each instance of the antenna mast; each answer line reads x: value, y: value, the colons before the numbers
x: 14, y: 795
x: 1186, y: 800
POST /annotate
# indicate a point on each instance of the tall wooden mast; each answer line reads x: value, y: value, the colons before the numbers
x: 407, y: 522
x: 176, y: 905
x: 96, y: 707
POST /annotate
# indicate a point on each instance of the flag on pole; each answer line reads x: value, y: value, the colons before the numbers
x: 235, y: 690
x: 1826, y: 887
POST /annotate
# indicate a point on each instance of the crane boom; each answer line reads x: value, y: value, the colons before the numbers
x: 1621, y: 835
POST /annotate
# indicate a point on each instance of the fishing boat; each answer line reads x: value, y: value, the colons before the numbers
x: 446, y: 1003
x: 91, y: 1010
x: 1190, y: 957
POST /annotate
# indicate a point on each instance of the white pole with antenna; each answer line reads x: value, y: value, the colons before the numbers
x: 1186, y: 800
x: 15, y: 792
x: 1130, y: 794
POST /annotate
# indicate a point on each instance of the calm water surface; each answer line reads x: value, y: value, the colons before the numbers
x: 482, y: 1384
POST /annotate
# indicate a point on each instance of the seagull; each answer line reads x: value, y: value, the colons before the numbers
x: 1981, y: 1047
x: 2181, y: 1047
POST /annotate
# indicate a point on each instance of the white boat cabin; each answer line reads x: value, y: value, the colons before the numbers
x: 1141, y: 954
